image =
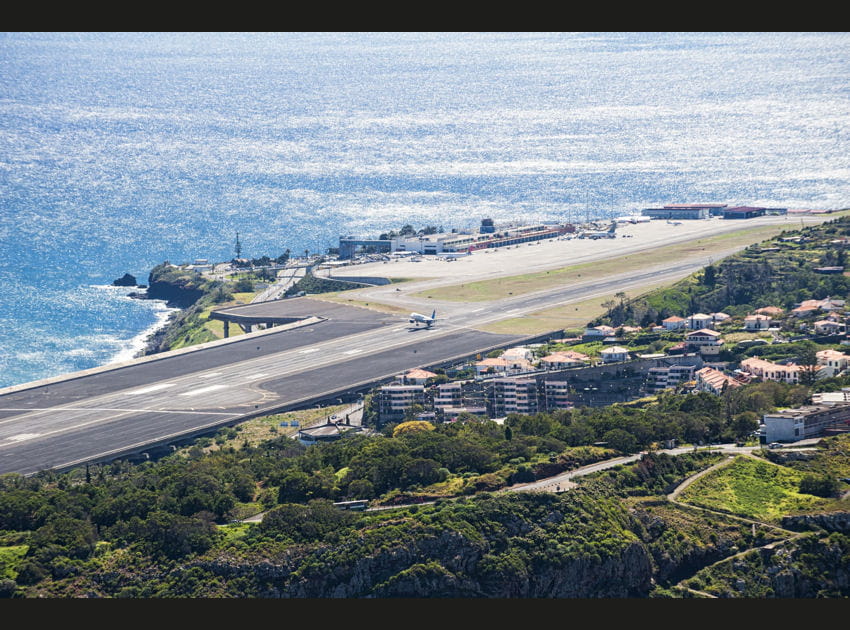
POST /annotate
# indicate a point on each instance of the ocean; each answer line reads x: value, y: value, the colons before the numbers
x: 119, y: 151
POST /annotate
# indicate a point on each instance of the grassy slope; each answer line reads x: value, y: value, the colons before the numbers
x: 755, y: 489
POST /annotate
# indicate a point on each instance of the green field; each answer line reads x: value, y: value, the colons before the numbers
x: 10, y: 557
x: 755, y: 489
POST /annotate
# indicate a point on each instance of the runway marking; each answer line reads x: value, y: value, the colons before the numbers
x: 152, y: 388
x: 253, y: 376
x: 308, y: 351
x: 355, y: 351
x: 122, y: 409
x: 210, y: 375
x: 203, y: 390
x: 22, y: 436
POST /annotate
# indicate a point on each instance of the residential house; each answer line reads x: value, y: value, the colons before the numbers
x: 831, y: 304
x: 769, y: 371
x: 614, y: 354
x: 833, y: 359
x: 809, y: 307
x: 758, y: 321
x: 773, y: 311
x: 703, y: 337
x: 518, y: 353
x: 713, y: 381
x: 806, y: 308
x: 563, y: 360
x: 417, y: 376
x: 491, y: 365
x: 719, y: 317
x: 829, y: 327
x: 674, y: 322
x: 700, y: 320
x: 599, y: 332
x: 518, y: 360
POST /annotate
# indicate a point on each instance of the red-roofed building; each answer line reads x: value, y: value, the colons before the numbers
x: 758, y: 321
x: 713, y: 381
x: 769, y: 371
x: 674, y: 322
x: 418, y: 376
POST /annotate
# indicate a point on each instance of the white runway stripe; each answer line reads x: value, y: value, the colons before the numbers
x: 203, y: 390
x: 152, y: 388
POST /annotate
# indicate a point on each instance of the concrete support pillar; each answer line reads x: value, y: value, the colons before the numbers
x: 226, y: 329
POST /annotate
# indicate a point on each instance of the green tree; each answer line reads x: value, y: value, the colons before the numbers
x: 620, y: 440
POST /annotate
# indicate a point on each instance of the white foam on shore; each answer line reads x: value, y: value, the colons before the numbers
x: 135, y: 345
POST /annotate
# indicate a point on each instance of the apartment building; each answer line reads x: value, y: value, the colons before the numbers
x: 791, y: 425
x: 512, y: 395
x: 659, y: 378
x: 394, y: 400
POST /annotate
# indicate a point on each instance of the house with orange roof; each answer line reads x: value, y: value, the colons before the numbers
x: 614, y: 354
x: 833, y: 359
x: 563, y: 360
x: 759, y: 321
x: 829, y: 327
x: 773, y: 311
x: 417, y: 376
x: 674, y: 322
x: 491, y: 365
x: 769, y: 371
x: 714, y: 381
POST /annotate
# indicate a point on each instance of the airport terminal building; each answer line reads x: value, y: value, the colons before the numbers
x: 488, y: 236
x: 688, y: 211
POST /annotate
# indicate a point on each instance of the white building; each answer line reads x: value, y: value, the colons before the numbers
x: 791, y: 425
x: 700, y: 320
x: 757, y: 322
x: 614, y: 354
x: 769, y: 371
x: 674, y: 322
x: 834, y: 359
x: 704, y: 337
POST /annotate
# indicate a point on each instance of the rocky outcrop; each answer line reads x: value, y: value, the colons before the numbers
x: 126, y: 280
x: 833, y: 522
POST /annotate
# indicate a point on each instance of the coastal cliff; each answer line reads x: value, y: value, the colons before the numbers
x: 178, y: 287
x: 188, y: 291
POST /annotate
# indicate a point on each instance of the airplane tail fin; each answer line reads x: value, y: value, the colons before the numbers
x: 434, y: 314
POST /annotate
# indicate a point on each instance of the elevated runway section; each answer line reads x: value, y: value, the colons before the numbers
x: 130, y: 409
x: 268, y: 314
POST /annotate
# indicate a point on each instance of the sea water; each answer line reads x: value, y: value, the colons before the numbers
x: 119, y: 151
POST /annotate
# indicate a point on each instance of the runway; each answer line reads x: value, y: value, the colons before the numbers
x: 89, y: 417
x: 101, y: 416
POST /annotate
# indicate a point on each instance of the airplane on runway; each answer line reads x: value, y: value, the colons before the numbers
x: 418, y: 318
x: 594, y: 234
